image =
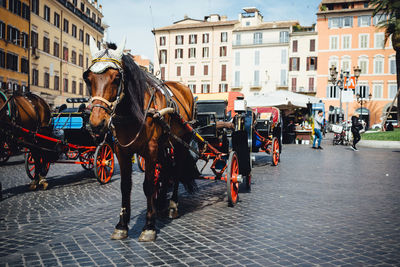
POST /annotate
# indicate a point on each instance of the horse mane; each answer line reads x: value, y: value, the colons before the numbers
x: 134, y: 86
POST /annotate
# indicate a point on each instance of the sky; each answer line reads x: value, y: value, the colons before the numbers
x: 136, y: 18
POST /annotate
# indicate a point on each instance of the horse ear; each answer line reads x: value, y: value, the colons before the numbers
x: 93, y: 47
x: 121, y: 47
x: 105, y: 39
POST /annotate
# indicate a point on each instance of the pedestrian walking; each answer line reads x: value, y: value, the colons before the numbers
x: 356, y: 126
x: 318, y: 124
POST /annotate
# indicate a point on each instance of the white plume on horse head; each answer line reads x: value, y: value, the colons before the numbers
x: 93, y: 48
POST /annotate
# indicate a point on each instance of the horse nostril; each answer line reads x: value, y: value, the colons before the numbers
x: 99, y: 127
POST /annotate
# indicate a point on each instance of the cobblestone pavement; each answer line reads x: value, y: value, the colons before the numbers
x: 318, y: 207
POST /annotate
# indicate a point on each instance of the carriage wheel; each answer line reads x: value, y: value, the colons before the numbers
x: 30, y: 165
x: 275, y: 151
x: 141, y: 163
x: 104, y: 163
x: 87, y: 157
x: 5, y: 152
x: 231, y: 179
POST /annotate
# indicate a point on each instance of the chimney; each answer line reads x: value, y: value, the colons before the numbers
x: 224, y: 18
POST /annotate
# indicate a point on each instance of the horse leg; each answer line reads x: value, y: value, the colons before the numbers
x: 35, y: 181
x: 43, y: 172
x: 173, y: 202
x: 125, y: 163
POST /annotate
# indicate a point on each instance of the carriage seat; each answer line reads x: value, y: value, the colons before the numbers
x: 263, y: 127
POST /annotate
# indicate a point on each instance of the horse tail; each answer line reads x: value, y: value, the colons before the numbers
x: 186, y: 167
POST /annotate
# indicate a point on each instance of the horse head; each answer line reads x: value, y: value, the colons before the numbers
x: 104, y: 79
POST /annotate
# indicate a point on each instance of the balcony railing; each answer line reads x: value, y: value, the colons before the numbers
x: 80, y: 15
x: 256, y: 42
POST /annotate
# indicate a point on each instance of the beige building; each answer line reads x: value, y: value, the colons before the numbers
x: 60, y: 34
x: 196, y: 52
x: 14, y: 46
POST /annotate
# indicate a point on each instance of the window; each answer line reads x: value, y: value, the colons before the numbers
x: 378, y: 18
x: 75, y: 2
x: 3, y: 3
x: 34, y: 39
x: 335, y: 22
x: 363, y: 63
x: 192, y: 71
x: 205, y: 88
x: 237, y: 58
x: 2, y: 30
x: 56, y: 49
x: 378, y: 65
x: 46, y: 44
x: 312, y: 45
x: 193, y: 39
x: 294, y: 84
x: 2, y: 59
x: 256, y: 78
x: 65, y: 85
x: 332, y: 91
x: 56, y: 20
x: 311, y: 63
x: 162, y: 40
x: 179, y: 53
x: 205, y: 70
x: 222, y: 51
x: 237, y: 78
x: 46, y: 81
x: 294, y: 46
x: 178, y: 71
x: 47, y: 13
x: 65, y: 53
x: 256, y: 58
x: 81, y: 35
x: 74, y: 30
x: 364, y: 40
x: 94, y: 17
x: 223, y: 88
x: 283, y: 78
x: 363, y: 90
x: 379, y: 40
x: 12, y: 62
x: 348, y: 22
x: 257, y: 38
x: 238, y: 39
x: 24, y: 65
x: 283, y: 56
x: 81, y: 88
x: 74, y: 87
x: 392, y: 66
x: 25, y: 11
x: 294, y: 64
x: 35, y: 7
x: 80, y: 61
x: 56, y: 83
x: 66, y: 26
x: 73, y: 57
x: 82, y: 7
x: 205, y: 52
x: 364, y: 21
x: 333, y: 42
x: 87, y: 61
x: 206, y: 38
x: 35, y: 77
x: 87, y: 39
x: 179, y: 39
x: 346, y: 41
x: 377, y: 91
x: 345, y: 65
x: 25, y: 40
x: 192, y: 52
x: 224, y: 37
x: 392, y: 91
x: 284, y: 37
x: 88, y: 12
x: 163, y: 56
x: 192, y: 88
x: 311, y: 84
x: 223, y: 73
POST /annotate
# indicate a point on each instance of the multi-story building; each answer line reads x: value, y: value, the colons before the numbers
x: 14, y: 45
x: 144, y: 63
x: 196, y: 52
x: 260, y: 53
x: 60, y: 34
x: 303, y: 60
x: 348, y: 37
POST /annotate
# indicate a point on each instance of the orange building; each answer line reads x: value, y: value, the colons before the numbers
x: 144, y: 62
x: 348, y: 37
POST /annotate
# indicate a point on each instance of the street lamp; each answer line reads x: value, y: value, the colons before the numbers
x: 337, y: 82
x: 362, y: 100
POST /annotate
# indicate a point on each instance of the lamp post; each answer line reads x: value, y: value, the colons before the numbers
x: 333, y: 75
x: 362, y: 100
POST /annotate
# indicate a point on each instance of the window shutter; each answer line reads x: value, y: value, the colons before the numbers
x: 312, y: 45
x: 330, y: 23
x: 195, y: 39
x: 327, y: 91
x: 290, y: 64
x: 308, y: 63
x: 223, y: 72
x: 219, y: 88
x: 341, y: 22
x: 358, y: 21
x: 194, y: 88
x: 315, y: 63
x: 295, y: 46
x: 298, y: 63
x: 311, y: 84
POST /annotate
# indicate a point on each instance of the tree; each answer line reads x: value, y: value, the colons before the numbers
x: 391, y: 9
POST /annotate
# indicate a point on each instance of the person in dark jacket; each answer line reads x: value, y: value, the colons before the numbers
x: 356, y: 126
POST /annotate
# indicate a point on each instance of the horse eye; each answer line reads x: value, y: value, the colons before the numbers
x: 117, y: 79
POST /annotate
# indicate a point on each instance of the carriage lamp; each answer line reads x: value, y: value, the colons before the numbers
x: 333, y: 73
x: 357, y: 72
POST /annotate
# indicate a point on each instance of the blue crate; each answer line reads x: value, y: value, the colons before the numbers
x: 68, y: 122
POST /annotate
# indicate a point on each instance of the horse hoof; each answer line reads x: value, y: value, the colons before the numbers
x: 119, y: 234
x: 32, y: 186
x: 173, y: 213
x: 45, y: 185
x: 148, y: 236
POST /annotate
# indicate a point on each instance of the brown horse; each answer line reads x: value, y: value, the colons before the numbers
x: 125, y: 101
x: 30, y: 112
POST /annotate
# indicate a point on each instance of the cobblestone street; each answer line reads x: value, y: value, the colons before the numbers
x: 317, y: 207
